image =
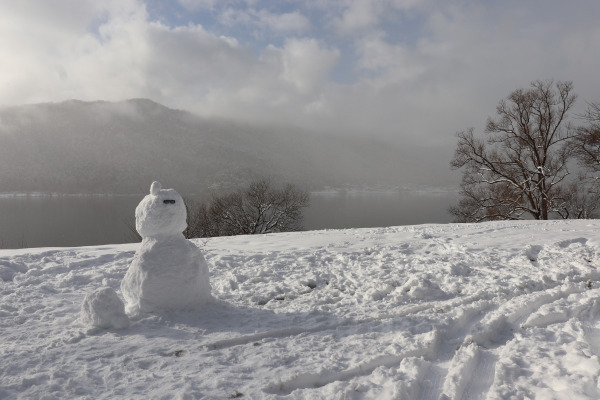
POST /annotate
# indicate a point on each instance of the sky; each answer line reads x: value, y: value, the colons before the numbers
x: 411, y: 71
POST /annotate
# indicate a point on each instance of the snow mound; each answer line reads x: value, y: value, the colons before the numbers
x: 422, y: 288
x: 102, y: 308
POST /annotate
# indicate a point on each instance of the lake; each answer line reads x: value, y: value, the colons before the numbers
x: 63, y: 221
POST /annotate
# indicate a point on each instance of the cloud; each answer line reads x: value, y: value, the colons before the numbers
x: 463, y: 62
x: 198, y: 4
x: 261, y: 21
x: 352, y: 17
x: 43, y: 49
x: 407, y: 70
x: 357, y: 14
x: 305, y: 64
x: 282, y: 86
x: 128, y: 56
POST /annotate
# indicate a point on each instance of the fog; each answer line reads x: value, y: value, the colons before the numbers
x: 104, y: 147
x: 49, y: 221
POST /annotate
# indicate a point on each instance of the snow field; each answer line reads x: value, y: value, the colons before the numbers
x: 493, y: 310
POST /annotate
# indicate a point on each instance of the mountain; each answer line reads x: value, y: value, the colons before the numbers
x: 120, y: 147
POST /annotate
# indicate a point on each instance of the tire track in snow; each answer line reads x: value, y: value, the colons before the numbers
x: 427, y: 351
x: 457, y: 381
x: 297, y: 330
x: 425, y: 346
x: 317, y: 380
x: 498, y: 327
x: 471, y: 371
x: 466, y: 371
x: 463, y: 364
x: 454, y: 355
x: 482, y: 375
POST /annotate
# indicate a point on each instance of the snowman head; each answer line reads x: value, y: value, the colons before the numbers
x: 161, y: 213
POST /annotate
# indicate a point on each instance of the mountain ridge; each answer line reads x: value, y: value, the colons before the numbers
x: 119, y: 147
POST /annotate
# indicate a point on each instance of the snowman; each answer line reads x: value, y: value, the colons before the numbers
x: 168, y: 272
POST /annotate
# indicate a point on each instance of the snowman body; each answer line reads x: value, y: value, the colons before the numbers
x: 168, y: 272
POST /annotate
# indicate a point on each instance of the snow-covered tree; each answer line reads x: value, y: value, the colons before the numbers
x: 519, y: 170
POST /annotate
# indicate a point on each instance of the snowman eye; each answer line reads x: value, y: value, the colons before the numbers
x: 169, y: 201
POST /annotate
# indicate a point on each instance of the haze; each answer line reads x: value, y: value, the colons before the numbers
x: 406, y: 71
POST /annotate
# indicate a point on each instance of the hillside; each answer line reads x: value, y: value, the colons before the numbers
x: 102, y: 147
x: 456, y: 311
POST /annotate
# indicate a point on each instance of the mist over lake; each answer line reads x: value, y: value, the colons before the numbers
x: 121, y: 147
x: 80, y: 150
x: 60, y: 221
x: 363, y: 209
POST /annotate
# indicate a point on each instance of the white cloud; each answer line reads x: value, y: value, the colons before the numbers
x: 305, y: 64
x: 461, y: 59
x: 129, y: 56
x: 53, y: 18
x: 43, y: 48
x: 284, y: 85
x: 465, y: 61
x: 286, y: 22
x: 195, y: 5
x: 263, y: 20
x: 198, y: 4
x: 358, y: 14
x: 388, y: 62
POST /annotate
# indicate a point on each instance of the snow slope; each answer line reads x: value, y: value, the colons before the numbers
x: 457, y: 311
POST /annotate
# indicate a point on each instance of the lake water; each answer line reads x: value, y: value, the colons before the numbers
x: 49, y: 221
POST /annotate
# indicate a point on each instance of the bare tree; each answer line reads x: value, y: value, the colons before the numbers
x: 198, y: 221
x: 260, y: 208
x: 577, y: 200
x: 518, y: 170
x: 586, y: 144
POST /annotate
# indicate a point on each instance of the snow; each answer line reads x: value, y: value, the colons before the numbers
x: 161, y: 213
x: 103, y: 308
x: 494, y: 310
x: 168, y: 272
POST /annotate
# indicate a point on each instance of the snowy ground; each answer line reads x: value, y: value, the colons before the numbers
x: 493, y: 310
